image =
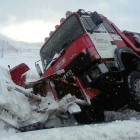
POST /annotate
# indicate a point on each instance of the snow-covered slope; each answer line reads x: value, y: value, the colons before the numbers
x: 5, y: 38
x: 18, y: 43
x: 9, y: 46
x: 15, y: 52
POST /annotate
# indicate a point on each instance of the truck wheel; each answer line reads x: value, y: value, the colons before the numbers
x: 89, y: 115
x: 133, y: 83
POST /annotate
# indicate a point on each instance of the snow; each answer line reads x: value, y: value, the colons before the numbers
x: 119, y: 129
x: 32, y: 75
x: 53, y: 60
x: 12, y: 100
x: 19, y: 106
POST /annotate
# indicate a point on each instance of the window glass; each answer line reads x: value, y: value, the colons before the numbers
x: 68, y: 32
x: 108, y: 27
x: 90, y: 25
x: 90, y: 22
x: 86, y: 25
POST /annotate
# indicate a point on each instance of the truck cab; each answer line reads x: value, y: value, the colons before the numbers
x: 91, y: 47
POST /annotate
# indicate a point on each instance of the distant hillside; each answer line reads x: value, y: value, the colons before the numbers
x: 9, y: 44
x: 7, y: 47
x: 5, y: 38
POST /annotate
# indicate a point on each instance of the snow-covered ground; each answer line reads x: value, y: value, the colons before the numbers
x: 118, y: 129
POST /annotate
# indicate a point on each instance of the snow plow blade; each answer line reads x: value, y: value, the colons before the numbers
x: 22, y: 109
x: 18, y: 74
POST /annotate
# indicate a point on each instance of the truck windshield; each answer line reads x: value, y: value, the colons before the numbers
x: 64, y: 35
x: 89, y: 25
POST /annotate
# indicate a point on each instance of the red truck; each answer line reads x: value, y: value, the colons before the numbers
x: 97, y: 63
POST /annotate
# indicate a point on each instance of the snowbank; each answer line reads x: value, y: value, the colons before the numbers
x: 18, y: 104
x: 12, y: 100
x: 5, y: 130
x: 118, y: 130
x: 32, y: 76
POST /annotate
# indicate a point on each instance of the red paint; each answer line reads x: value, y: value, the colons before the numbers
x: 93, y: 53
x: 130, y: 37
x: 16, y: 74
x: 90, y: 92
x: 105, y: 60
x: 81, y: 43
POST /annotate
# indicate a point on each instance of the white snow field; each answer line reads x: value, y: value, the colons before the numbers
x: 118, y: 129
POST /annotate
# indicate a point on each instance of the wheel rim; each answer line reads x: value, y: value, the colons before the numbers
x: 137, y: 86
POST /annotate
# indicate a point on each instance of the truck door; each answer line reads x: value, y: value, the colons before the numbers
x: 102, y: 41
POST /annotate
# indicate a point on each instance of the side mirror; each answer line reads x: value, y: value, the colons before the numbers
x: 38, y: 69
x: 96, y: 18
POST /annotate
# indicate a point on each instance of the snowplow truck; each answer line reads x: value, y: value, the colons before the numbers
x: 89, y: 66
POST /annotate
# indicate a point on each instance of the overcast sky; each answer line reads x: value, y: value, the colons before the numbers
x: 32, y: 20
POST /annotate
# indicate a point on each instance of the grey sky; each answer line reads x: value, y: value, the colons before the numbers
x: 124, y: 13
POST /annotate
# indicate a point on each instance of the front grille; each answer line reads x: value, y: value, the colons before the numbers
x: 79, y: 63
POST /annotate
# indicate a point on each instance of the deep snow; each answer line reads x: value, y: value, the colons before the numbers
x: 116, y: 130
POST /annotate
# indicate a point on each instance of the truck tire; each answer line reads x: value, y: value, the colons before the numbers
x: 133, y: 84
